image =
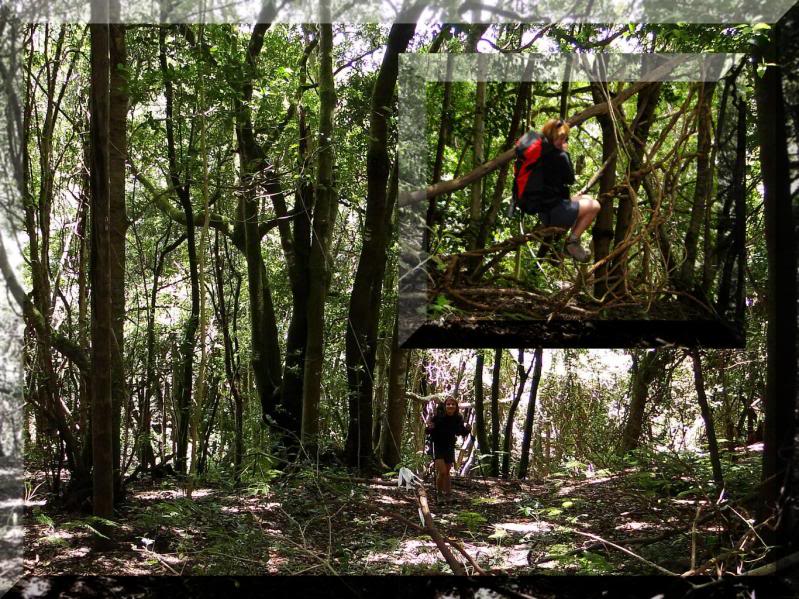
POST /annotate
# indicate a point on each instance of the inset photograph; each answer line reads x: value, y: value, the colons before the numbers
x: 579, y: 206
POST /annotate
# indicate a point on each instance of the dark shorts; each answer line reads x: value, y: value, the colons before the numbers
x: 563, y: 214
x: 444, y: 453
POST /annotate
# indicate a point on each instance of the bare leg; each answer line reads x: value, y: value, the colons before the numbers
x: 587, y: 212
x: 441, y: 472
x: 447, y: 479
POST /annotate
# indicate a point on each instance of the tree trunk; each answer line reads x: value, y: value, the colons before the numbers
x: 731, y: 234
x: 603, y: 226
x: 265, y: 348
x: 186, y: 379
x: 319, y: 260
x: 479, y: 408
x: 707, y: 416
x: 102, y: 326
x: 432, y: 217
x: 366, y: 296
x: 117, y: 138
x: 478, y: 135
x: 781, y: 235
x: 528, y: 421
x: 703, y: 186
x: 639, y: 133
x: 508, y: 439
x: 495, y: 412
x: 487, y: 223
x: 397, y: 403
x: 146, y: 456
x: 291, y: 392
x: 231, y: 372
x: 644, y: 371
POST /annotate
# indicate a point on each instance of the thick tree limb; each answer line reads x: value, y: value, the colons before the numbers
x: 493, y: 164
x: 457, y: 568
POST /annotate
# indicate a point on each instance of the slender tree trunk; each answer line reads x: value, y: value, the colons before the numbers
x: 230, y: 371
x: 479, y: 407
x: 508, y: 439
x: 397, y: 404
x: 707, y: 416
x: 319, y: 262
x: 102, y: 412
x: 528, y: 421
x: 731, y: 234
x: 443, y: 134
x: 265, y: 348
x: 291, y: 391
x: 478, y: 137
x: 495, y: 412
x: 603, y: 226
x: 703, y: 186
x: 366, y: 296
x: 487, y: 223
x: 146, y: 456
x: 645, y: 370
x: 639, y: 133
x: 186, y: 380
x: 117, y: 138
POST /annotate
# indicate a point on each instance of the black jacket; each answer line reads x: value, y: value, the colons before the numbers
x: 550, y: 177
x: 445, y: 429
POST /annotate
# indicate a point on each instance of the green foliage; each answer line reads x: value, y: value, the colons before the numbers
x: 485, y: 501
x: 499, y: 534
x: 471, y: 520
x: 44, y: 520
x: 92, y: 524
x: 55, y: 541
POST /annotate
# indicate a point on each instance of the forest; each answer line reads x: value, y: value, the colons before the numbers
x: 204, y: 250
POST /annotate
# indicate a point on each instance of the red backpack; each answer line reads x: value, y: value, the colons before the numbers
x: 528, y: 151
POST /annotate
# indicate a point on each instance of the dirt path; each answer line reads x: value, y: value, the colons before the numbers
x: 331, y: 524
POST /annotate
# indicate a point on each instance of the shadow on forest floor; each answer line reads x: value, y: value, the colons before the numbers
x: 328, y: 523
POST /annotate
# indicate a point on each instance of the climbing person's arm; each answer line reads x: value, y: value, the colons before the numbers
x: 567, y: 169
x: 429, y: 425
x: 465, y: 429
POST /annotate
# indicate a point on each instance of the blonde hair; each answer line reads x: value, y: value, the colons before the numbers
x: 555, y: 129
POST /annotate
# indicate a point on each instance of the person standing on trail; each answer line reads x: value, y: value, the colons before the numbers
x: 443, y: 429
x: 547, y: 192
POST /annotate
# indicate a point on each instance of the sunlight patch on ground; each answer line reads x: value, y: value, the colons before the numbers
x: 525, y: 527
x: 637, y: 526
x: 163, y: 494
x: 248, y: 507
x: 197, y: 493
x: 696, y: 502
x: 389, y: 500
x: 158, y: 495
x: 598, y: 479
x: 412, y: 551
x: 77, y: 552
x: 515, y: 556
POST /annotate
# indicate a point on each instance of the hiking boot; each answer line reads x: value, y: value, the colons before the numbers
x: 577, y: 251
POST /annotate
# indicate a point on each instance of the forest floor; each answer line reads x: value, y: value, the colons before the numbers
x: 578, y: 520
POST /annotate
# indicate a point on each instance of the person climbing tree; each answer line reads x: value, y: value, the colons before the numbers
x: 443, y: 428
x: 544, y: 189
